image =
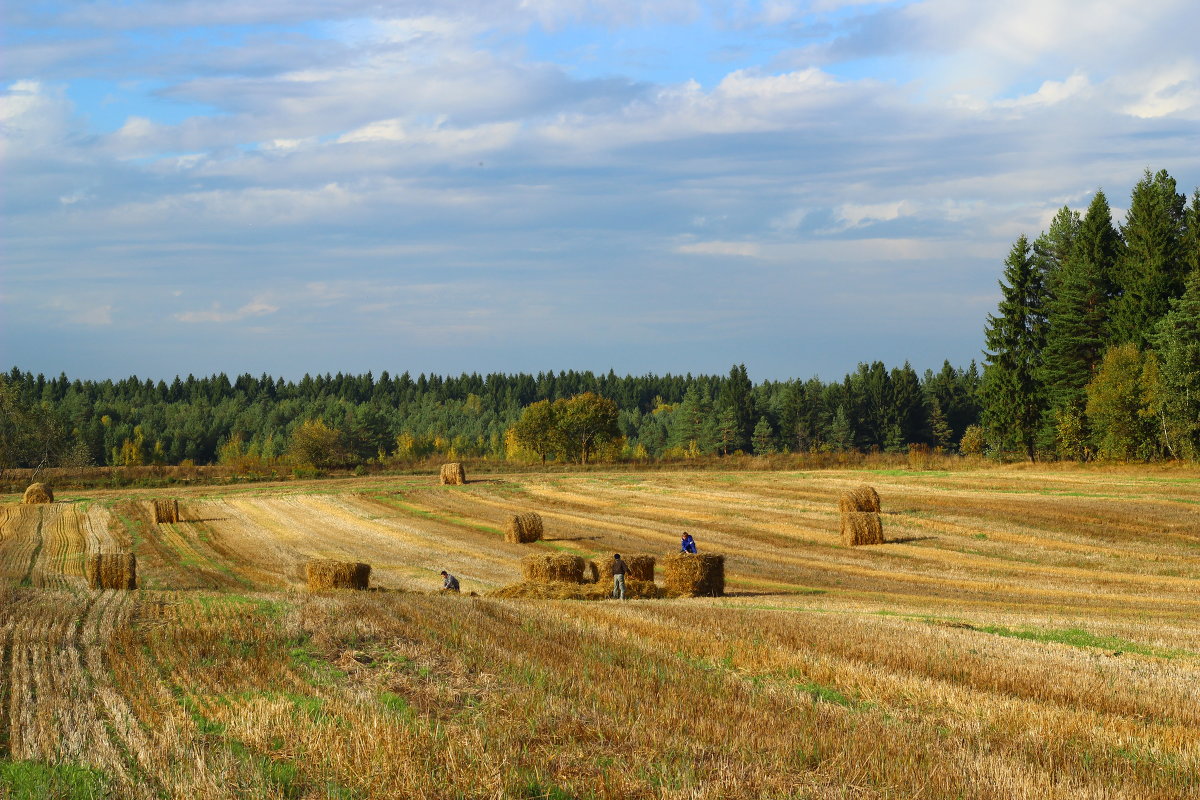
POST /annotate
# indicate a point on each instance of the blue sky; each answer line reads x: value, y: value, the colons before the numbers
x: 289, y: 187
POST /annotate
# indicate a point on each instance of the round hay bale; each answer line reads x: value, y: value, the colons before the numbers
x: 38, y: 493
x: 524, y: 528
x: 453, y: 474
x: 166, y: 511
x: 860, y: 498
x: 637, y: 568
x: 552, y: 568
x: 112, y: 571
x: 694, y: 574
x: 861, y: 527
x: 324, y: 573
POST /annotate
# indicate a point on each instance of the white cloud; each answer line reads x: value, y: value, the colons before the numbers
x: 856, y: 216
x: 255, y: 308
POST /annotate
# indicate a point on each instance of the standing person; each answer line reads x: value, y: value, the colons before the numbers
x: 449, y: 582
x: 687, y: 544
x: 618, y: 577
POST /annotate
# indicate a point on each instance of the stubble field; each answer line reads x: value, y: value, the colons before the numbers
x: 1023, y: 634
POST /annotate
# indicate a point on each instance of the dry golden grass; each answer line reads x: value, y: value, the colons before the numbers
x: 1023, y: 634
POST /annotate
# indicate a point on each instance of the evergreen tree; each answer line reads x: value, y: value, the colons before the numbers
x: 1014, y: 339
x: 1151, y: 268
x: 1052, y: 249
x: 1077, y: 318
x: 1177, y: 341
x: 729, y: 430
x: 764, y: 437
x: 737, y: 393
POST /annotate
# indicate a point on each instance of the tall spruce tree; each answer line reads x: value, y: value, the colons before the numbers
x: 1015, y: 338
x: 1078, y: 316
x: 1052, y: 249
x: 1151, y: 268
x: 1177, y: 340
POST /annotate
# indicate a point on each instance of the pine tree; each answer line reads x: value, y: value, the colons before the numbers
x: 1015, y: 338
x: 1151, y: 268
x: 764, y: 437
x: 1177, y: 341
x: 1052, y: 249
x: 1078, y: 312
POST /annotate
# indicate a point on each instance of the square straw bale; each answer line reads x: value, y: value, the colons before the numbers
x: 324, y: 573
x: 112, y: 571
x: 694, y: 574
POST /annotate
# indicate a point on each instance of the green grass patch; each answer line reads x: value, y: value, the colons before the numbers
x: 37, y: 780
x: 1078, y: 637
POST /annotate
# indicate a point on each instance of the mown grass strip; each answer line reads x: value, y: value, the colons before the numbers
x: 424, y: 513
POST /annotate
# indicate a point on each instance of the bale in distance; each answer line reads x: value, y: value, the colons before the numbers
x: 453, y: 474
x: 861, y: 527
x: 112, y: 571
x: 166, y: 511
x: 524, y: 528
x: 860, y: 498
x: 556, y: 568
x: 38, y: 493
x: 694, y: 574
x: 637, y: 568
x: 326, y: 573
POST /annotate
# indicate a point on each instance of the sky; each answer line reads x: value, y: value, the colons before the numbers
x: 293, y: 186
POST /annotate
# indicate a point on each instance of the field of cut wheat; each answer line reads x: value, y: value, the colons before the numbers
x: 1021, y: 633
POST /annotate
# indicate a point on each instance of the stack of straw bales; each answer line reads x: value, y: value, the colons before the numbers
x: 330, y: 574
x: 861, y: 523
x: 38, y: 493
x: 112, y: 571
x: 556, y: 568
x: 637, y: 568
x: 166, y: 511
x: 523, y: 528
x: 694, y: 574
x: 453, y: 474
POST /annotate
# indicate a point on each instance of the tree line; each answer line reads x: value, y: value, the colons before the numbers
x: 1094, y: 350
x: 343, y: 420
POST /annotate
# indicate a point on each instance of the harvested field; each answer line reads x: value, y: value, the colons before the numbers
x: 1024, y: 633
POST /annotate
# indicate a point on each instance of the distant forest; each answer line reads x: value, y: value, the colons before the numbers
x: 1093, y: 352
x: 215, y: 419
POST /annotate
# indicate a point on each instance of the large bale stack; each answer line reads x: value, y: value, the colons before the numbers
x: 166, y: 511
x: 112, y: 571
x: 329, y: 574
x: 38, y: 493
x: 861, y: 523
x: 453, y: 474
x: 524, y: 528
x: 637, y: 568
x: 557, y: 568
x: 694, y: 574
x: 860, y: 498
x: 861, y: 527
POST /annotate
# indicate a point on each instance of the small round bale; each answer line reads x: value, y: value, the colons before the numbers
x: 112, y: 571
x: 166, y: 511
x: 324, y: 573
x: 552, y: 568
x: 637, y: 568
x: 38, y: 493
x: 694, y: 574
x: 861, y: 527
x: 860, y: 498
x: 453, y: 474
x: 524, y: 528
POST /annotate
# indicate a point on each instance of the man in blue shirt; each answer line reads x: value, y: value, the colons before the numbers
x: 687, y: 544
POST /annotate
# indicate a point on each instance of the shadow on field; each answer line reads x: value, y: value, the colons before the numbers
x: 907, y: 539
x: 572, y: 539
